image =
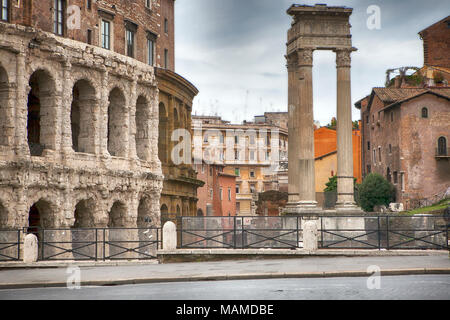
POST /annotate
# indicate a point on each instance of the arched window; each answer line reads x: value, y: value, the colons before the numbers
x: 442, y: 146
x: 424, y: 113
x: 388, y: 174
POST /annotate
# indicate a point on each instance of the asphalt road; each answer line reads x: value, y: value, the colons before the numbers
x: 423, y: 287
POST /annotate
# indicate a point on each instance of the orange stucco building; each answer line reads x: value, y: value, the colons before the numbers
x: 325, y: 153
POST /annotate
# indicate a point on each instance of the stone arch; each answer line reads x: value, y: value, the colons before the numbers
x: 4, y: 102
x: 84, y: 214
x: 82, y: 116
x: 164, y: 209
x: 200, y: 213
x: 142, y: 128
x: 117, y: 125
x: 41, y: 124
x: 147, y: 215
x: 163, y: 134
x: 41, y: 215
x: 117, y: 215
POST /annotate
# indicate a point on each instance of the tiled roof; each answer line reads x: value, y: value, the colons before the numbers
x: 390, y: 95
x: 443, y: 92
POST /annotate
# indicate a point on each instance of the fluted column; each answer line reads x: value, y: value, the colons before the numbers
x: 292, y: 130
x: 345, y: 197
x: 304, y: 121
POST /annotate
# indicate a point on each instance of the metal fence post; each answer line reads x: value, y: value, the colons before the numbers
x: 379, y: 235
x: 321, y: 232
x: 234, y: 232
x: 181, y: 231
x: 43, y: 243
x: 96, y: 249
x: 18, y: 244
x: 387, y: 232
x: 104, y: 244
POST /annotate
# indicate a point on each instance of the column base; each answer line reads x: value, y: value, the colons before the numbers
x: 303, y: 207
x: 348, y: 207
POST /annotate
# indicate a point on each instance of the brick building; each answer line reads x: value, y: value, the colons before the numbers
x: 217, y: 197
x: 405, y: 134
x: 436, y: 44
x: 251, y: 151
x: 405, y: 127
x: 79, y: 112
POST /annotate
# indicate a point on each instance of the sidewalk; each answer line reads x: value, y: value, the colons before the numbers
x: 54, y: 275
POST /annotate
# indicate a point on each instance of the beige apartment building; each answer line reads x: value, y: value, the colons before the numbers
x: 252, y: 151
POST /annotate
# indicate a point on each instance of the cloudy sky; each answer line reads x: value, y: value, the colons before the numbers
x: 233, y: 52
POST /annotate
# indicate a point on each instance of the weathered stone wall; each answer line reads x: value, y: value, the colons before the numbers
x: 57, y: 179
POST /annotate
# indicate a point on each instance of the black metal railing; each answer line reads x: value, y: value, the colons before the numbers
x: 239, y: 232
x: 10, y: 245
x: 442, y: 152
x: 84, y: 243
x: 335, y: 232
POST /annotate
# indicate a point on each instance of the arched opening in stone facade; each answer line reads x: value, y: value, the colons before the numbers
x: 41, y: 122
x: 178, y: 210
x: 199, y: 213
x: 176, y: 118
x: 163, y: 134
x: 142, y: 128
x: 4, y: 95
x: 146, y: 220
x: 84, y: 214
x: 117, y: 215
x: 145, y: 217
x: 117, y: 127
x: 82, y: 117
x: 164, y: 209
x: 40, y: 215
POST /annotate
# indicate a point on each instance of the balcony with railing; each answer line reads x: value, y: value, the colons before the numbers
x: 442, y: 153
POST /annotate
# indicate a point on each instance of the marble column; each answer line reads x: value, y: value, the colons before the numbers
x: 304, y: 122
x: 345, y: 197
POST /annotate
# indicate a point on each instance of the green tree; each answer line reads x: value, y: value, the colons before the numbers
x: 331, y: 185
x: 375, y: 190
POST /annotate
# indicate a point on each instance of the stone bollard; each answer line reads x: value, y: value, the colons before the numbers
x: 30, y: 248
x: 310, y: 235
x: 169, y: 236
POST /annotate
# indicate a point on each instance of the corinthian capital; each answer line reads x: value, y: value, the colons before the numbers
x: 343, y: 58
x: 305, y: 57
x: 291, y: 62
